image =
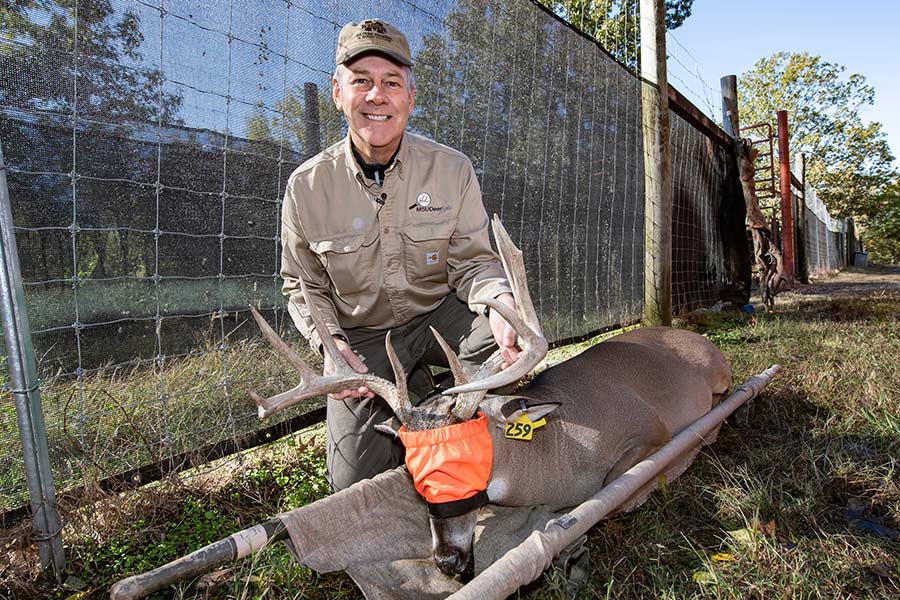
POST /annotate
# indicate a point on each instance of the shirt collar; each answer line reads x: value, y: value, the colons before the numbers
x: 398, y: 164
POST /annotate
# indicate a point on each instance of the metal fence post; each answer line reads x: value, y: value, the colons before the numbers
x: 787, y: 219
x: 24, y: 380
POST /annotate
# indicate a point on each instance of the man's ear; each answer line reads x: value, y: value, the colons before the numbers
x: 336, y: 93
x: 412, y: 98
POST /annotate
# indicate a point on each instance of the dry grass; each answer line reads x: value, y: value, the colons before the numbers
x: 800, y: 502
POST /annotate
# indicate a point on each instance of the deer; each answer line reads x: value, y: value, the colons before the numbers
x: 590, y: 418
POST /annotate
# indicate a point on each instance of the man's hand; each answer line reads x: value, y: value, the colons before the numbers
x: 504, y: 334
x: 355, y: 363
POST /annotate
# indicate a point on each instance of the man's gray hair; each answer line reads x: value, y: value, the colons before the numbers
x: 410, y: 76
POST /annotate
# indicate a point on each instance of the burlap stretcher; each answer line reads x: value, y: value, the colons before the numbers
x: 377, y: 531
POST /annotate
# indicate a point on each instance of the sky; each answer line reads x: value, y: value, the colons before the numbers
x: 726, y: 37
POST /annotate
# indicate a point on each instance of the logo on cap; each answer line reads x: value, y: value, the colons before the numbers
x: 373, y: 26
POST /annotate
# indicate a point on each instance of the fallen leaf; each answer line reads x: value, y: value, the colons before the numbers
x: 885, y: 570
x: 723, y: 557
x: 212, y: 580
x: 745, y: 535
x: 703, y: 577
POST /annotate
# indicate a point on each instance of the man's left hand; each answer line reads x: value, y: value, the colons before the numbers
x: 504, y: 334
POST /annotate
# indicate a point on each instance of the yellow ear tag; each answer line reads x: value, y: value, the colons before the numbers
x: 523, y: 427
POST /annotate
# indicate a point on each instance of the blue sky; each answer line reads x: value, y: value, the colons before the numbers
x: 726, y: 37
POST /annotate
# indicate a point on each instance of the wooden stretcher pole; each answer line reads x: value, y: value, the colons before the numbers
x: 237, y: 545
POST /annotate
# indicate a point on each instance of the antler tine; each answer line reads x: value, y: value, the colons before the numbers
x: 403, y: 406
x: 281, y: 346
x: 466, y: 404
x: 344, y: 377
x: 459, y: 375
x: 514, y: 265
x: 525, y: 323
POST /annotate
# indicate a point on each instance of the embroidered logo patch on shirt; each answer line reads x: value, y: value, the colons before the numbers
x: 423, y: 199
x: 432, y: 258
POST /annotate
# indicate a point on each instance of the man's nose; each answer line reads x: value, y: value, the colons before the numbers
x: 376, y: 95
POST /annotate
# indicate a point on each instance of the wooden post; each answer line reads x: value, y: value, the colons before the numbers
x: 734, y: 207
x: 311, y: 102
x: 730, y: 116
x: 802, y: 266
x: 787, y: 220
x: 657, y: 170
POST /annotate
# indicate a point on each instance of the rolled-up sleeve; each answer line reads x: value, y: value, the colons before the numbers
x: 298, y: 261
x: 475, y: 270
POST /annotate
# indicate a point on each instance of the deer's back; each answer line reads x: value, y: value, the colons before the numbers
x: 620, y: 401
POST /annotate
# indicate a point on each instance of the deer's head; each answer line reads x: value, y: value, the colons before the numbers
x: 448, y: 444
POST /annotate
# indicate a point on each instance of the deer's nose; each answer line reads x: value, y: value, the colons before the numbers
x: 450, y: 561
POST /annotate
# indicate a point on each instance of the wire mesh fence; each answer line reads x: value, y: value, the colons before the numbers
x: 826, y: 237
x: 148, y: 144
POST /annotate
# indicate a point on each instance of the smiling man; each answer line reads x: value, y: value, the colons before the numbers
x: 388, y: 232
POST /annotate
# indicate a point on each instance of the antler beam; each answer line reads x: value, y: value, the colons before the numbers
x: 344, y: 377
x: 524, y: 321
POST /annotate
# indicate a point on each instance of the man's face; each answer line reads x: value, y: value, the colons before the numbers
x: 377, y: 99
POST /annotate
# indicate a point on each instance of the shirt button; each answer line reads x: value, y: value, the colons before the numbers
x: 383, y: 196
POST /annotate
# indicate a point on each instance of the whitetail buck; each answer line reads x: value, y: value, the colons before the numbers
x: 605, y: 409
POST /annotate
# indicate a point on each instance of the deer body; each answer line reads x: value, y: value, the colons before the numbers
x: 606, y: 409
x: 619, y: 401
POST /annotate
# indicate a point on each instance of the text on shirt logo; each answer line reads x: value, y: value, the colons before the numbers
x: 432, y: 258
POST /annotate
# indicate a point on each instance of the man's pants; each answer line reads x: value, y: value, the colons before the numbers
x: 355, y: 449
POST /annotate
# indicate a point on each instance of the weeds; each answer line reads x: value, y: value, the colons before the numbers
x: 802, y: 502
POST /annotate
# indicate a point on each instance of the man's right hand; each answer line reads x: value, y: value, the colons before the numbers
x: 355, y: 363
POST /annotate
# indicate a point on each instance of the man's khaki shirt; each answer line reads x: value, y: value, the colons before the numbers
x: 377, y: 256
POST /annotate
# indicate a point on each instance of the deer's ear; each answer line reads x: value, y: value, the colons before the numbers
x: 505, y: 409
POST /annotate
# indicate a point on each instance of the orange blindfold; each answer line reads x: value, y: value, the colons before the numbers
x: 450, y: 464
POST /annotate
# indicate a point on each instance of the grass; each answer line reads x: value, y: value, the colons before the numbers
x: 800, y: 502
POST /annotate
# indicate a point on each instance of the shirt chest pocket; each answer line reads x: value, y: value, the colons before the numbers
x: 425, y: 252
x: 350, y: 260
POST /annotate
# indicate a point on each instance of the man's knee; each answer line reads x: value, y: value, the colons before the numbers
x: 356, y: 450
x: 345, y: 469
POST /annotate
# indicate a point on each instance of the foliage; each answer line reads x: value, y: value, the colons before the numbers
x: 112, y: 93
x: 848, y: 161
x: 615, y: 24
x: 881, y: 227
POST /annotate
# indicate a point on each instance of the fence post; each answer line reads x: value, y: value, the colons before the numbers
x: 657, y: 175
x: 24, y: 380
x: 801, y: 224
x: 787, y: 221
x: 734, y: 207
x: 311, y: 102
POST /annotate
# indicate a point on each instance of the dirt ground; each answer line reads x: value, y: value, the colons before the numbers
x: 854, y: 281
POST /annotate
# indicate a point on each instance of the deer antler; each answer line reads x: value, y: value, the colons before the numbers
x: 344, y: 377
x: 533, y: 342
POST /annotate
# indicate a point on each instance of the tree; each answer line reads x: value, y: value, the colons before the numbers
x: 615, y: 24
x: 881, y: 228
x: 848, y: 161
x: 39, y: 69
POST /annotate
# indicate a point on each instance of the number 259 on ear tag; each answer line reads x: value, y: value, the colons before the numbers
x: 520, y: 429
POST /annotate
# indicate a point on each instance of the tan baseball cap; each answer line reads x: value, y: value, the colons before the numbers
x: 372, y: 35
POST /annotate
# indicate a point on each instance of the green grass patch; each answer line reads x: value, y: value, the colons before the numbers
x: 803, y: 501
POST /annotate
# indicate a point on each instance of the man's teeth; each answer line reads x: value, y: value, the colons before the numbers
x: 377, y: 117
